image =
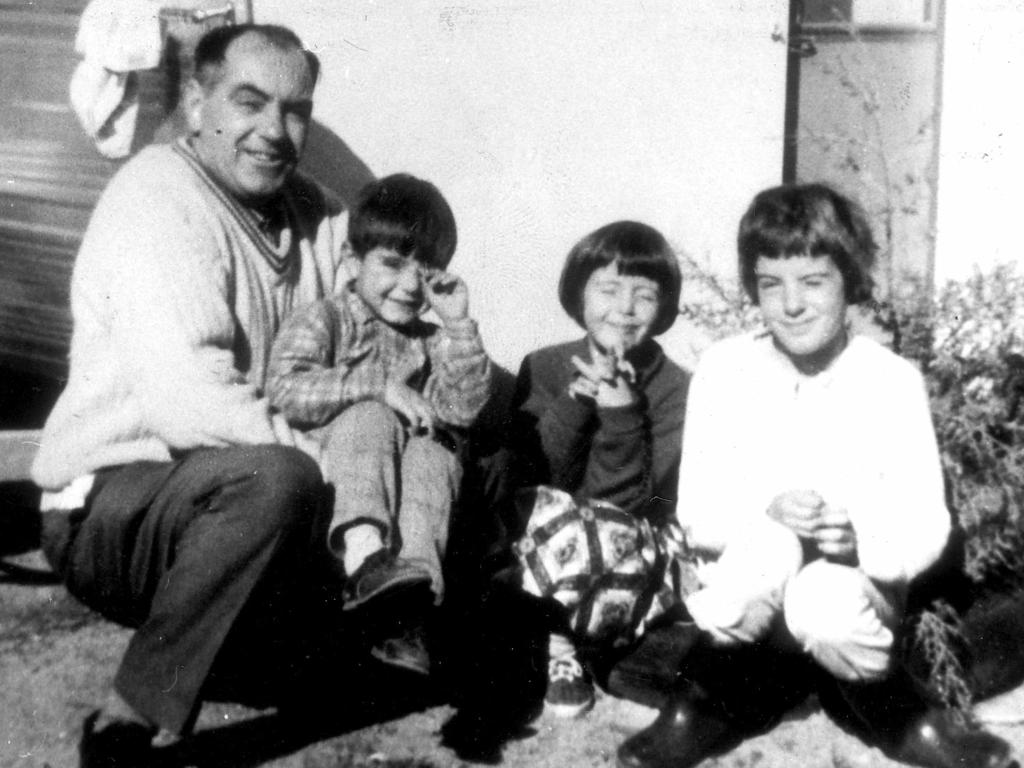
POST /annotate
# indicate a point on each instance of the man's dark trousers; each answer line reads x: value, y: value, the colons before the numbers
x: 178, y: 549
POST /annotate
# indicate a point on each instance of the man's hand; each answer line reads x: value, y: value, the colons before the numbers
x: 448, y: 296
x: 406, y: 401
x: 608, y: 376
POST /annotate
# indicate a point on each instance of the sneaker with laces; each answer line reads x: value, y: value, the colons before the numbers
x: 570, y: 688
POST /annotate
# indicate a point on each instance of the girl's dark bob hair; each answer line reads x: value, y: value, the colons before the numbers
x: 808, y: 220
x: 407, y: 214
x: 638, y: 250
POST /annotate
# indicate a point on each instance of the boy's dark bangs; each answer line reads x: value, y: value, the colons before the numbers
x: 377, y: 233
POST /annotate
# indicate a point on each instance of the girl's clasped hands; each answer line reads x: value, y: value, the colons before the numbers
x: 608, y: 379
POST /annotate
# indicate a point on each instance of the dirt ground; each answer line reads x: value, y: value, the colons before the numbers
x: 57, y: 659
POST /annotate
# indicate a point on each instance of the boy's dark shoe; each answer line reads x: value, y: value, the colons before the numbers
x: 119, y: 745
x: 381, y: 573
x: 407, y: 651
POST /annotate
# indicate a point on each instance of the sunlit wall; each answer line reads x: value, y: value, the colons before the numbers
x: 544, y: 119
x: 981, y: 156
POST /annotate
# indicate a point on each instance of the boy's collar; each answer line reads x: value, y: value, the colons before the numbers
x: 361, y: 313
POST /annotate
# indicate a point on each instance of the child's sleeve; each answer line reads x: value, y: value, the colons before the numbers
x: 633, y: 460
x: 619, y: 460
x: 899, y: 511
x: 460, y: 373
x: 304, y: 382
x: 552, y: 431
x: 710, y: 482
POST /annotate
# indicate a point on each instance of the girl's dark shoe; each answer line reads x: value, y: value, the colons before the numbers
x: 648, y: 673
x: 684, y: 733
x: 896, y: 717
x: 938, y: 739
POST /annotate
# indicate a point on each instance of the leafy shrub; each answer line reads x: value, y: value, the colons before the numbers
x: 718, y: 308
x: 969, y: 342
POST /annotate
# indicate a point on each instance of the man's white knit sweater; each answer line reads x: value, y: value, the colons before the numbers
x: 176, y: 296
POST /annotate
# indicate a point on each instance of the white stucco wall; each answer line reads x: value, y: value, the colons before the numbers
x: 981, y: 156
x: 543, y: 119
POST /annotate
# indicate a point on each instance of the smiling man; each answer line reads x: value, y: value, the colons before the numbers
x: 176, y: 502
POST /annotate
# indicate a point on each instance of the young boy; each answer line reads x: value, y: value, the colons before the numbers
x: 810, y: 481
x: 379, y: 389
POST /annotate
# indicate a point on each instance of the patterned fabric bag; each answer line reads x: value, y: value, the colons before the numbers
x: 612, y: 571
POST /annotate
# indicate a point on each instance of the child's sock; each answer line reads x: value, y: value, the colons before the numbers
x: 570, y: 690
x: 560, y: 646
x: 361, y: 541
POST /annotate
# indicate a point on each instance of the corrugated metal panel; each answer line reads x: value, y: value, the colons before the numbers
x: 51, y: 174
x: 50, y: 177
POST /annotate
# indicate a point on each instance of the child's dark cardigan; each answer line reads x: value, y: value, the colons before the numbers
x: 628, y: 456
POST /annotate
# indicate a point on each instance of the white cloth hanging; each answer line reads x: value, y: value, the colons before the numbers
x: 115, y: 38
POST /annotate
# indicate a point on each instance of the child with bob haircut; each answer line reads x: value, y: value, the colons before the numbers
x: 811, y: 484
x: 599, y: 423
x: 384, y: 394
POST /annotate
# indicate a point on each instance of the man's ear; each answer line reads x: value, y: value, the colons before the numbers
x: 193, y: 100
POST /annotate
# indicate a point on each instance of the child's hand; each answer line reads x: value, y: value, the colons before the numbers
x: 609, y: 376
x: 835, y: 536
x: 800, y: 511
x: 406, y: 401
x: 448, y: 296
x: 582, y: 389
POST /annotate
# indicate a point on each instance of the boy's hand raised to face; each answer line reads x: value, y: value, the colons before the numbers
x: 448, y: 296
